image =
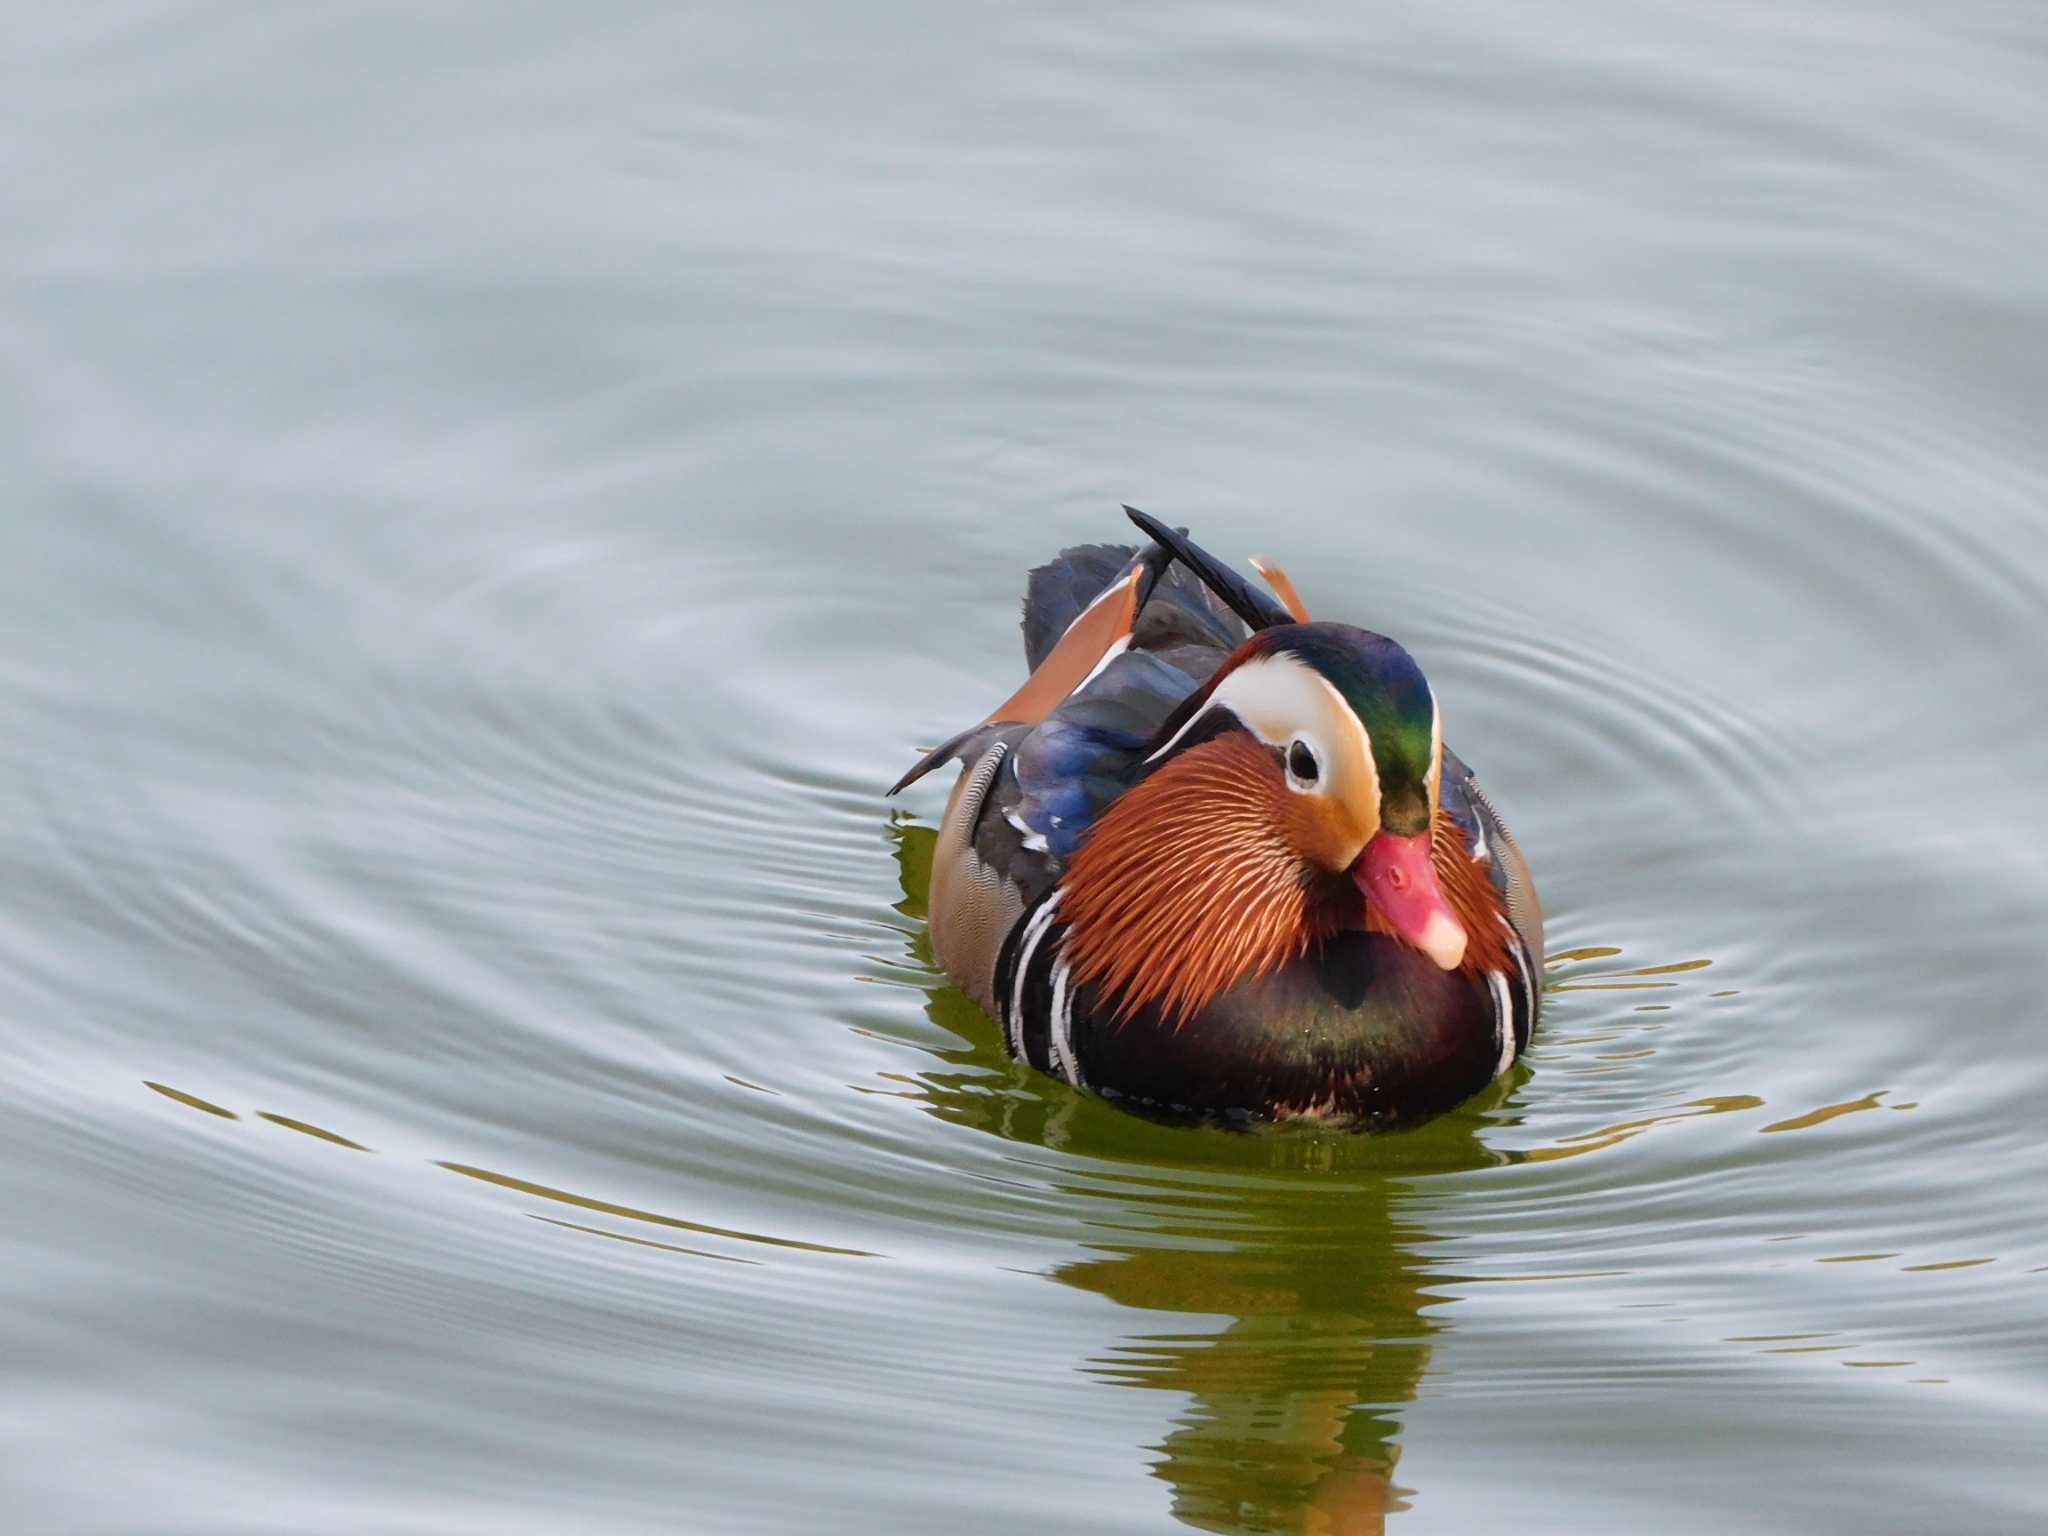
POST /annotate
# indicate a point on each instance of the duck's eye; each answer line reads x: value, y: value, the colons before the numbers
x: 1301, y: 762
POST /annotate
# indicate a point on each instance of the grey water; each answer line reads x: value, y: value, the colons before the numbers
x: 489, y: 496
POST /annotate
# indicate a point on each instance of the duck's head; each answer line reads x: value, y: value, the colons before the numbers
x: 1293, y: 796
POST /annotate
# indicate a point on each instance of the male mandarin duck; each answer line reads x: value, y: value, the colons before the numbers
x: 1215, y: 859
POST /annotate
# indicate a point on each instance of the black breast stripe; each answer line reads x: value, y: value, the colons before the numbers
x: 1528, y: 992
x: 1024, y: 981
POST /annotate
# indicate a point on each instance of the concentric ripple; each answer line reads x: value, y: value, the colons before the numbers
x: 492, y: 499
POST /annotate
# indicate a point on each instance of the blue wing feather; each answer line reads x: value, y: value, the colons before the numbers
x: 1086, y: 752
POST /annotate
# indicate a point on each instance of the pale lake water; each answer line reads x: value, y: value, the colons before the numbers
x: 493, y: 493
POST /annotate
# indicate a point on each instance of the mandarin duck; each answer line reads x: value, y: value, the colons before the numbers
x: 1214, y: 859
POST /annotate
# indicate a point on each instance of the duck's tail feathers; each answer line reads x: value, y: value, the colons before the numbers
x: 944, y: 751
x: 1243, y: 599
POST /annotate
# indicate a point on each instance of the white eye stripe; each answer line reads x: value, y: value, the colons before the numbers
x: 1274, y: 696
x: 1279, y: 698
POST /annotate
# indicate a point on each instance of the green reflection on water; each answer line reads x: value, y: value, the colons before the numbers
x: 1305, y: 1243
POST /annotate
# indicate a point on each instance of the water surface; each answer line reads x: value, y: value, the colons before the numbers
x: 492, y: 495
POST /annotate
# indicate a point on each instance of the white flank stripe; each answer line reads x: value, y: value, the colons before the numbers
x: 1498, y: 981
x: 1061, y: 1032
x: 1040, y: 921
x: 1518, y: 950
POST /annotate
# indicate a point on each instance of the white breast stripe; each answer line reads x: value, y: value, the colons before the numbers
x: 1520, y: 951
x: 1033, y: 932
x: 1505, y: 1011
x: 1060, y: 1034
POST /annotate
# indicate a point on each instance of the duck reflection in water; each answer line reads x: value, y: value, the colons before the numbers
x: 1293, y: 1417
x: 1297, y: 1238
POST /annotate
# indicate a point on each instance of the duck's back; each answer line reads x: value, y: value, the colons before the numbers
x: 1027, y: 794
x: 1181, y: 619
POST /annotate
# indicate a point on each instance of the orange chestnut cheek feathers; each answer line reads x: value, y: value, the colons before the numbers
x: 1399, y: 881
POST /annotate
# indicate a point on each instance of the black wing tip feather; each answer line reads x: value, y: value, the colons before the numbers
x: 933, y: 759
x: 1240, y: 596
